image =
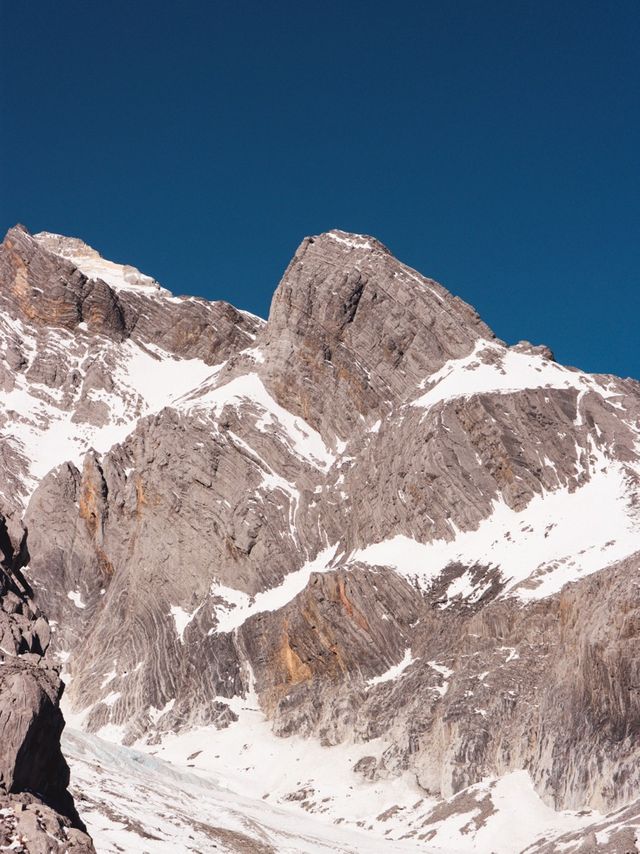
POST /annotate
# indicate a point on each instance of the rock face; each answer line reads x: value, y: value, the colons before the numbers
x: 350, y: 319
x: 390, y: 527
x: 37, y: 812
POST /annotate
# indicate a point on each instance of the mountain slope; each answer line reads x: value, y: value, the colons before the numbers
x: 395, y: 532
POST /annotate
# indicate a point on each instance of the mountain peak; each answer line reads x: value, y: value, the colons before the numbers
x: 349, y: 316
x: 89, y: 261
x: 348, y: 240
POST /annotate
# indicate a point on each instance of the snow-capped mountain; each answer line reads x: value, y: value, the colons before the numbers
x: 359, y: 577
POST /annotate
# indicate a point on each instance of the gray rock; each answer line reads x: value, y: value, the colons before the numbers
x: 34, y: 776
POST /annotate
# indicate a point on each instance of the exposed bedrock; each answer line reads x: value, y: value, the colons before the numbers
x: 35, y: 804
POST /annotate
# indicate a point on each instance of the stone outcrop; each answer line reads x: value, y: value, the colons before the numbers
x: 35, y: 805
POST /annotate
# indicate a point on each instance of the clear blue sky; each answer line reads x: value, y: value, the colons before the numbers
x: 492, y: 145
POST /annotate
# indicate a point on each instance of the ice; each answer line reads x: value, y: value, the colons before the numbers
x: 138, y: 803
x: 291, y: 794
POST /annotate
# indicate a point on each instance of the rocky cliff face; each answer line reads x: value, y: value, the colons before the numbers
x: 367, y: 516
x: 37, y: 813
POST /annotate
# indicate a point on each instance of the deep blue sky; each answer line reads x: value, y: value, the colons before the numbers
x: 494, y: 146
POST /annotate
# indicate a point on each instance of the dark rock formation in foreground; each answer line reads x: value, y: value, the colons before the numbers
x: 37, y: 813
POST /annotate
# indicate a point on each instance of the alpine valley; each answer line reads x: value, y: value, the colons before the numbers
x: 357, y: 578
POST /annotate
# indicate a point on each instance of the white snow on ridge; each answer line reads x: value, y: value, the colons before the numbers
x: 351, y: 241
x: 120, y: 277
x: 514, y: 371
x: 559, y: 537
x: 302, y: 439
x: 239, y: 606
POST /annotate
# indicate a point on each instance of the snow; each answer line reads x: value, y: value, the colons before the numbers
x: 270, y: 479
x: 249, y: 389
x: 519, y: 818
x: 559, y: 537
x: 442, y: 669
x: 513, y: 371
x: 294, y: 795
x: 462, y: 586
x: 138, y: 803
x: 109, y: 677
x: 238, y: 606
x: 160, y: 378
x: 292, y: 792
x: 352, y: 241
x: 446, y: 674
x: 395, y: 671
x: 120, y: 277
x: 143, y: 383
x: 76, y: 598
x: 254, y: 353
x: 182, y: 619
x: 156, y: 714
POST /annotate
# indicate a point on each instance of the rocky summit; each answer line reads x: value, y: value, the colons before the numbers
x: 358, y: 578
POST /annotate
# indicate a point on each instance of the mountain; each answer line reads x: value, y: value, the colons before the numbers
x: 362, y: 565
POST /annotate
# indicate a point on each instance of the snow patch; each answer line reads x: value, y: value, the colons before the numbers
x: 156, y: 714
x: 351, y: 241
x: 237, y: 606
x: 182, y: 619
x: 395, y: 671
x: 559, y: 537
x: 76, y: 598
